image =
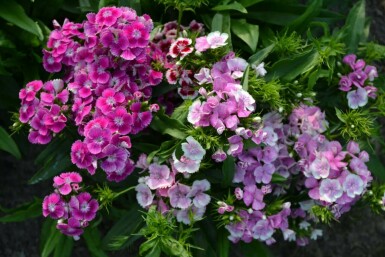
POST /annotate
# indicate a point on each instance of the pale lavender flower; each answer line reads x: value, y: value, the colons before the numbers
x: 330, y: 190
x: 178, y: 196
x: 204, y: 76
x: 353, y: 185
x: 320, y: 168
x: 217, y: 39
x: 194, y: 113
x: 259, y: 69
x: 371, y: 71
x: 254, y: 197
x: 159, y: 176
x: 144, y: 195
x: 219, y: 155
x: 185, y: 164
x: 185, y: 216
x: 197, y: 192
x: 192, y: 149
x: 357, y: 98
x: 262, y: 230
x: 264, y: 173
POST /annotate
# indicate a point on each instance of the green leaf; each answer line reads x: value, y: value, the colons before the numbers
x: 8, y: 144
x: 24, y: 212
x: 223, y: 243
x: 254, y: 249
x: 64, y: 246
x: 180, y: 113
x: 228, y: 170
x: 93, y: 240
x: 301, y: 23
x: 247, y: 3
x: 245, y: 79
x: 261, y: 55
x: 339, y: 115
x: 166, y: 125
x: 355, y: 25
x: 165, y: 151
x: 172, y: 247
x: 61, y: 162
x: 14, y: 13
x: 235, y: 6
x: 154, y: 252
x: 278, y: 179
x: 376, y: 167
x: 289, y: 68
x: 145, y: 147
x: 248, y: 33
x: 53, y: 238
x: 126, y: 226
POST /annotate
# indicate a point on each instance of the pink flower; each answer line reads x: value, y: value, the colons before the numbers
x: 219, y: 155
x: 108, y: 16
x: 120, y: 121
x: 159, y: 176
x: 192, y: 149
x: 27, y: 110
x: 178, y: 196
x: 254, y: 197
x: 137, y: 35
x: 72, y: 228
x: 185, y: 164
x: 201, y: 44
x: 120, y: 174
x: 53, y: 206
x: 50, y: 63
x: 181, y: 47
x: 264, y: 173
x: 65, y: 182
x: 97, y: 139
x: 80, y: 156
x: 109, y: 100
x: 330, y: 190
x: 29, y: 92
x: 83, y: 207
x: 320, y: 167
x: 353, y: 185
x: 217, y: 39
x: 54, y: 119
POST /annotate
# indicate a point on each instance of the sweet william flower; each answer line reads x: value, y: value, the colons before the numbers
x: 259, y: 69
x: 65, y: 182
x: 108, y: 16
x: 200, y: 199
x: 262, y: 230
x: 120, y: 121
x: 97, y: 139
x: 80, y: 156
x: 178, y: 196
x: 159, y: 177
x: 116, y: 158
x: 345, y: 84
x: 83, y: 207
x: 357, y: 98
x: 264, y: 173
x: 254, y: 197
x: 353, y: 185
x: 29, y: 92
x: 330, y: 190
x: 53, y: 206
x: 121, y: 174
x: 193, y: 150
x: 217, y: 39
x: 219, y: 155
x: 181, y: 47
x: 72, y: 228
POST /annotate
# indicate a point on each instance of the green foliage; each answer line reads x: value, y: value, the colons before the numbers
x: 22, y: 213
x: 372, y: 51
x: 323, y: 214
x: 288, y: 44
x: 354, y: 26
x: 8, y: 144
x: 267, y: 94
x: 355, y: 124
x: 55, y: 243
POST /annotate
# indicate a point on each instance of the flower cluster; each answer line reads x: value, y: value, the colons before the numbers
x: 73, y: 209
x: 361, y: 78
x: 186, y: 202
x: 108, y: 80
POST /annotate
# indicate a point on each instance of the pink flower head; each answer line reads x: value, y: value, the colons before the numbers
x: 50, y: 63
x: 80, y: 156
x: 197, y: 192
x: 83, y: 207
x: 186, y: 215
x: 72, y: 228
x: 201, y: 44
x: 116, y: 158
x: 120, y: 121
x: 236, y: 145
x: 181, y: 47
x: 172, y: 76
x: 65, y: 182
x: 371, y: 71
x: 330, y: 190
x: 353, y: 147
x: 115, y: 39
x: 144, y: 195
x: 137, y: 35
x: 141, y: 120
x: 29, y: 92
x: 109, y: 100
x: 54, y: 119
x: 192, y: 149
x: 217, y: 39
x: 97, y: 139
x: 357, y: 98
x: 107, y: 16
x: 53, y: 206
x: 185, y: 164
x: 27, y: 110
x: 178, y: 196
x: 358, y: 78
x: 320, y: 167
x: 159, y: 177
x: 195, y: 112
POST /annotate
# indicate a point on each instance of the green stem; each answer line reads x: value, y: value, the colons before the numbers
x: 124, y: 191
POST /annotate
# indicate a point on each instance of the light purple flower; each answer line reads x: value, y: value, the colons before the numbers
x: 204, y: 76
x: 72, y: 228
x: 353, y: 147
x: 144, y: 195
x: 192, y: 149
x: 345, y: 84
x: 159, y: 177
x: 264, y: 173
x: 371, y: 71
x: 236, y: 145
x: 178, y: 196
x: 185, y: 164
x: 185, y: 216
x: 254, y: 197
x: 116, y: 158
x: 197, y: 192
x: 201, y: 44
x: 353, y: 185
x: 262, y: 230
x: 219, y: 155
x: 320, y: 168
x: 259, y: 69
x: 194, y: 113
x: 357, y: 98
x: 330, y: 190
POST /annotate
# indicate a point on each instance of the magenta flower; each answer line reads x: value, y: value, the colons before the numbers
x: 65, y: 182
x: 29, y: 92
x: 116, y: 158
x: 345, y: 84
x: 358, y: 78
x: 27, y: 110
x: 108, y: 16
x: 181, y: 47
x: 200, y: 199
x: 120, y: 121
x: 330, y: 190
x: 254, y: 197
x: 97, y: 139
x: 115, y: 39
x: 72, y: 228
x: 357, y: 98
x: 80, y: 156
x: 98, y: 71
x: 54, y: 119
x: 159, y: 177
x: 178, y: 196
x: 53, y: 206
x: 83, y: 207
x: 38, y: 122
x: 137, y: 35
x: 144, y: 195
x: 50, y: 63
x: 36, y: 138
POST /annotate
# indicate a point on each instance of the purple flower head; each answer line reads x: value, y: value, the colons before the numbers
x: 50, y: 63
x: 330, y: 190
x: 237, y: 66
x: 185, y: 164
x: 264, y: 173
x: 358, y: 78
x: 116, y: 158
x: 357, y: 98
x: 195, y: 112
x: 115, y: 39
x: 27, y: 110
x: 192, y: 149
x: 204, y: 76
x: 371, y: 71
x: 54, y: 119
x: 349, y: 59
x: 185, y: 216
x: 372, y: 91
x: 259, y: 69
x: 83, y: 207
x: 197, y: 192
x: 144, y: 195
x: 219, y: 155
x: 109, y: 100
x: 97, y: 139
x: 53, y: 206
x: 353, y: 185
x: 65, y: 181
x: 72, y: 228
x: 35, y: 137
x: 262, y: 230
x: 270, y: 154
x: 142, y: 162
x: 238, y: 193
x: 353, y: 147
x: 254, y: 197
x: 178, y: 196
x: 159, y: 177
x: 120, y: 174
x: 137, y: 34
x: 345, y: 84
x: 236, y: 145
